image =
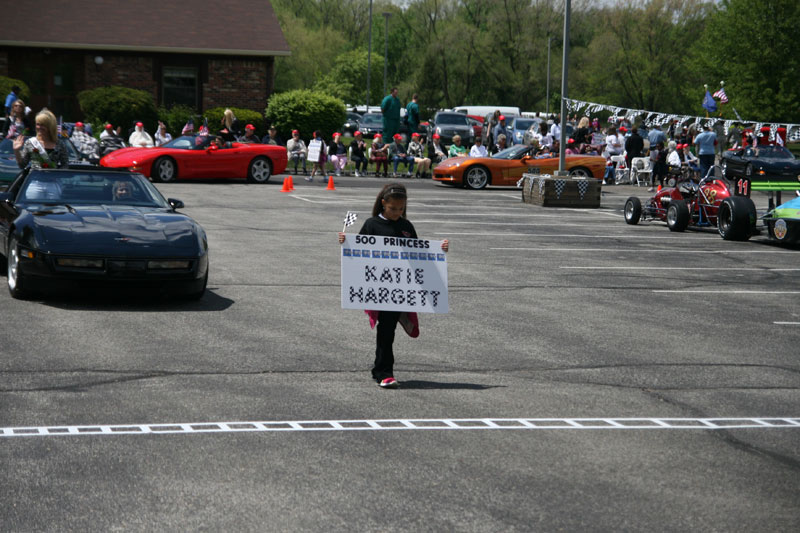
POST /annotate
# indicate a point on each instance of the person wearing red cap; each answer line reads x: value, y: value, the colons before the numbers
x: 399, y: 154
x: 338, y: 153
x: 296, y: 151
x: 140, y: 138
x: 501, y: 128
x: 85, y: 143
x: 358, y: 154
x: 415, y: 151
x: 379, y: 154
x: 249, y: 136
x: 436, y: 151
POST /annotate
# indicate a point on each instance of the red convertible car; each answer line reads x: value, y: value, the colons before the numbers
x: 201, y: 156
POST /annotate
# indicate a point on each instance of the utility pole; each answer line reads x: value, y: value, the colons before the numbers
x: 562, y: 143
x: 386, y: 15
x: 549, y: 38
x: 369, y: 54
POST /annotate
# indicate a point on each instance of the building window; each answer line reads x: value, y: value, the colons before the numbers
x: 179, y: 86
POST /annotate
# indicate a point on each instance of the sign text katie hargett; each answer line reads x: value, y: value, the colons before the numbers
x: 394, y: 274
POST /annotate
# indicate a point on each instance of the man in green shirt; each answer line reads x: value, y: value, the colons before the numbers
x: 390, y: 107
x: 412, y: 112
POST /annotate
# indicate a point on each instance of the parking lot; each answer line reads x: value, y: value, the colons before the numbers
x: 590, y: 376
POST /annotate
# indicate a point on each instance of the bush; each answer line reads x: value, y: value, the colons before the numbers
x: 5, y: 89
x: 245, y: 117
x: 306, y: 111
x: 176, y: 117
x: 120, y: 106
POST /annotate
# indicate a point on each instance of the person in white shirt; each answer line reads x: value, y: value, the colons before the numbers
x: 162, y: 135
x: 555, y: 129
x: 478, y: 150
x: 673, y: 159
x: 140, y: 138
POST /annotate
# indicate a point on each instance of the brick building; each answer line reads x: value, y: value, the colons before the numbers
x: 203, y: 54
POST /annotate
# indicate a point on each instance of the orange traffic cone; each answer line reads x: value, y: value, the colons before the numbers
x: 291, y: 184
x: 286, y: 185
x: 330, y: 186
x: 659, y: 188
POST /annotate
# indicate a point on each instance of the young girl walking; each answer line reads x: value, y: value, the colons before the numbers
x: 389, y: 220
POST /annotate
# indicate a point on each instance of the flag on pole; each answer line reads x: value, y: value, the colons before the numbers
x: 189, y: 127
x: 708, y: 102
x: 204, y: 128
x: 350, y: 219
x: 778, y: 139
x: 721, y: 96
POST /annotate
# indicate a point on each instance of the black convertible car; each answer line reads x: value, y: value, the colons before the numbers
x: 760, y: 163
x: 101, y: 227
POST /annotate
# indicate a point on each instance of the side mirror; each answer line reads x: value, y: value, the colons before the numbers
x: 175, y: 203
x: 5, y: 197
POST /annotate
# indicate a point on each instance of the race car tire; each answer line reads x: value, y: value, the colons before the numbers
x: 677, y: 216
x: 260, y: 170
x: 736, y: 218
x: 164, y: 170
x: 476, y: 177
x: 633, y: 210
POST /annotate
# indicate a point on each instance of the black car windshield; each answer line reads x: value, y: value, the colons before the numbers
x: 190, y: 142
x: 773, y: 152
x: 515, y: 152
x: 455, y: 119
x: 75, y: 187
x: 371, y: 119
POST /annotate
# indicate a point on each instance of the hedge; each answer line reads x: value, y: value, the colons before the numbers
x: 176, y: 117
x: 306, y: 111
x: 245, y: 116
x: 7, y: 83
x: 119, y: 106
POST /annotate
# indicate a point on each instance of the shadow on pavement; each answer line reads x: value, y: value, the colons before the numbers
x: 129, y: 300
x: 416, y: 384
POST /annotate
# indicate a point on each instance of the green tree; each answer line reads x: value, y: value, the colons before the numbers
x: 120, y: 106
x: 306, y: 111
x: 752, y: 46
x: 348, y: 78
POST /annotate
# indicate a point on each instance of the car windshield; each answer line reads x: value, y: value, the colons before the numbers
x: 523, y: 123
x: 515, y: 152
x: 372, y: 119
x: 454, y: 119
x: 773, y: 152
x: 190, y: 142
x: 74, y: 187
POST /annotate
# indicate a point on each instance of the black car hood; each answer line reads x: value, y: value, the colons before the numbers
x: 112, y: 230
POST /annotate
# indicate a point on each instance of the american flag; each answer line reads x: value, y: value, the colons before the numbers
x: 204, y: 128
x: 721, y: 96
x: 189, y: 127
x: 350, y: 218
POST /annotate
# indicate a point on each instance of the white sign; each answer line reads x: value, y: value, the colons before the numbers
x: 394, y: 274
x: 314, y: 148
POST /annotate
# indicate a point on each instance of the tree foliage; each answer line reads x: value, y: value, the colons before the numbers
x: 644, y: 54
x: 121, y: 106
x: 7, y: 83
x: 306, y: 111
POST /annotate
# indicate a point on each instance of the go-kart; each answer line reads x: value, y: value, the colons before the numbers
x: 709, y: 203
x: 783, y: 222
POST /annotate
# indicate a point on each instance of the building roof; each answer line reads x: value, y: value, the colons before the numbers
x: 232, y: 27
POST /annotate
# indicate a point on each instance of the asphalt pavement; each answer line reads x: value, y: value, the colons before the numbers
x: 590, y: 376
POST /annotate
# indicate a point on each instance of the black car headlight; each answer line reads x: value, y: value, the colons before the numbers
x: 79, y: 263
x: 168, y: 265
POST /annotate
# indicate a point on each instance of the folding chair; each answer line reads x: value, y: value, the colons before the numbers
x: 621, y: 174
x: 641, y: 171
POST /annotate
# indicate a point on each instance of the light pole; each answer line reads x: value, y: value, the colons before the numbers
x: 562, y: 158
x: 549, y: 38
x: 369, y: 54
x: 386, y: 15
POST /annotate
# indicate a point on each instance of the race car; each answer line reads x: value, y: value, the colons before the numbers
x: 201, y: 156
x: 783, y: 222
x: 709, y: 203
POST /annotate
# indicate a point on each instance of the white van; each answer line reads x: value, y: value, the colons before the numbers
x: 483, y: 110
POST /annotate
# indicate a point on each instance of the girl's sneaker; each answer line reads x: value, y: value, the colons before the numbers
x: 388, y: 383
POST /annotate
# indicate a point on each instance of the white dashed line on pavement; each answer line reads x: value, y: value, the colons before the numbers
x: 404, y: 424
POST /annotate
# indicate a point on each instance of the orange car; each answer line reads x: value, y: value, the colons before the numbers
x: 507, y: 167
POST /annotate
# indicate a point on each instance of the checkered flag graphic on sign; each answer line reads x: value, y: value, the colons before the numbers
x: 541, y: 186
x: 795, y: 134
x: 350, y: 218
x: 560, y: 184
x: 583, y: 186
